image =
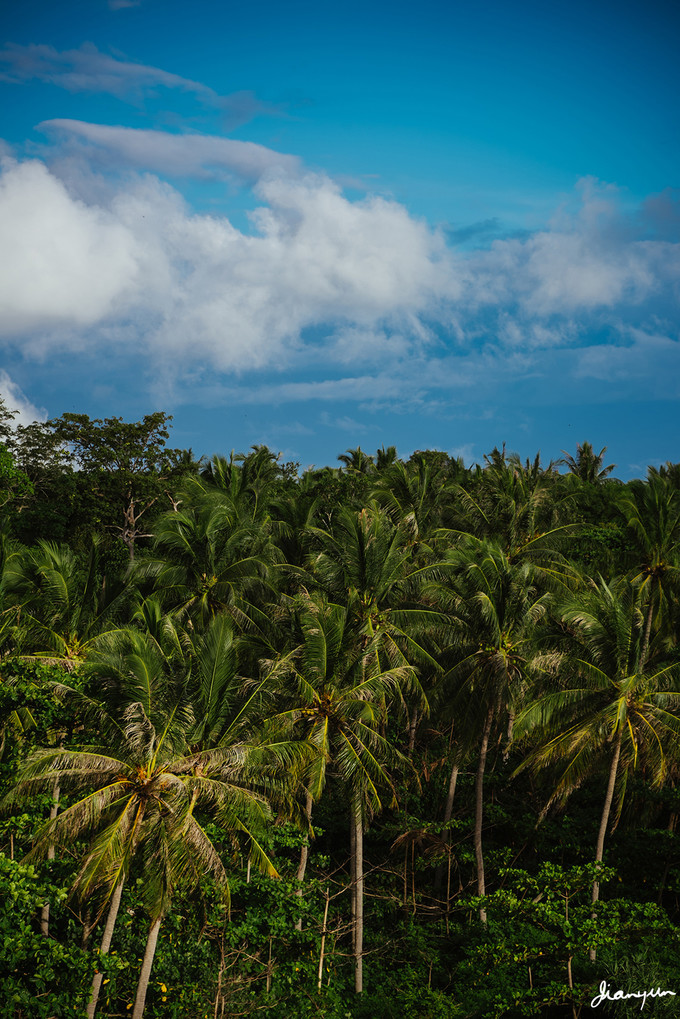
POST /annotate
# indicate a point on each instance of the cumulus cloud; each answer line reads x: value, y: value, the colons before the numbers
x: 63, y: 262
x: 195, y: 285
x: 15, y: 400
x: 180, y: 155
x: 588, y: 270
x: 321, y: 281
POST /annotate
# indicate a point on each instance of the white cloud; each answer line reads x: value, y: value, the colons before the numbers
x: 584, y: 263
x: 63, y: 263
x: 15, y: 400
x: 320, y: 281
x: 377, y: 346
x: 183, y: 155
x: 198, y: 288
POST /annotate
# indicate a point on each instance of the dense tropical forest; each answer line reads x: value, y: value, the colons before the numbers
x: 392, y: 739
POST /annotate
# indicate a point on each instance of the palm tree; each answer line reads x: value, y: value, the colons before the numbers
x: 617, y: 694
x: 62, y: 607
x: 357, y: 460
x: 342, y: 698
x: 245, y: 482
x: 165, y: 750
x: 588, y: 465
x: 652, y: 512
x: 518, y: 507
x: 493, y: 605
x: 365, y: 563
x: 384, y: 458
x: 205, y: 562
x: 413, y: 496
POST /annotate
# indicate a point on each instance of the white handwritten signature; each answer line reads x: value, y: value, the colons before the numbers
x: 605, y: 995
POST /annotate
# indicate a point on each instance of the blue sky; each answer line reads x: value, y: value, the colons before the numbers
x: 321, y: 226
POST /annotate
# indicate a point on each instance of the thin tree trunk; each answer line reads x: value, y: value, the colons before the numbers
x: 604, y: 821
x: 450, y: 796
x: 511, y: 725
x: 147, y: 963
x: 405, y: 896
x: 353, y: 881
x: 105, y: 945
x: 87, y: 929
x: 479, y: 810
x: 358, y: 825
x: 648, y: 631
x: 413, y: 726
x: 269, y: 966
x: 413, y: 875
x: 323, y: 942
x: 304, y: 856
x: 45, y: 911
x: 446, y: 834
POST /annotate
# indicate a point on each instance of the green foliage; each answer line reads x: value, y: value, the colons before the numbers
x: 14, y: 484
x: 351, y: 633
x: 41, y: 978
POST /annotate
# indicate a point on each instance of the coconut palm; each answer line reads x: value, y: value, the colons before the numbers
x: 412, y: 495
x: 342, y: 698
x: 166, y: 749
x: 384, y: 458
x: 245, y: 482
x: 587, y: 465
x: 205, y: 562
x: 494, y: 605
x: 518, y: 507
x: 652, y: 513
x: 365, y: 563
x: 616, y: 705
x: 60, y: 605
x: 357, y: 460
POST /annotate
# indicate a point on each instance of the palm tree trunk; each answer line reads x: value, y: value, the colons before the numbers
x: 358, y: 825
x: 511, y: 725
x: 45, y: 912
x: 304, y: 856
x: 413, y: 725
x: 105, y: 945
x: 479, y: 810
x: 353, y: 880
x: 147, y: 963
x: 648, y: 631
x: 446, y: 834
x: 604, y: 821
x: 323, y: 942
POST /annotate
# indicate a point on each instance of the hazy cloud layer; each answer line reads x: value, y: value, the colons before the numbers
x: 180, y: 155
x: 325, y: 281
x: 88, y: 70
